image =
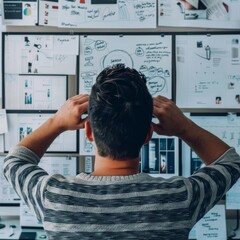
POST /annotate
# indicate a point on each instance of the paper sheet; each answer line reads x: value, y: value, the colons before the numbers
x: 38, y: 54
x: 35, y: 92
x: 66, y: 45
x: 202, y: 13
x: 208, y: 70
x: 48, y: 13
x: 213, y: 225
x: 21, y: 125
x: 122, y: 14
x: 21, y: 13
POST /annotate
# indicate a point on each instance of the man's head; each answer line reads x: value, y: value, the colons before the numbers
x: 120, y: 112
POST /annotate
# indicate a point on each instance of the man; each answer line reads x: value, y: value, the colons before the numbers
x: 115, y: 201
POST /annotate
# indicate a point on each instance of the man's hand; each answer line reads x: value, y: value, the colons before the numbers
x: 186, y: 5
x: 171, y: 119
x: 69, y: 116
x: 173, y: 122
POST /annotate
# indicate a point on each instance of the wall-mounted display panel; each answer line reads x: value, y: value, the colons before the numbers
x: 199, y: 13
x: 208, y: 71
x: 21, y: 125
x: 28, y: 92
x: 40, y: 54
x: 149, y: 54
x: 107, y: 14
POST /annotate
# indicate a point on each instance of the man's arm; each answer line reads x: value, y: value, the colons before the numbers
x: 173, y: 122
x: 20, y: 165
x: 67, y: 118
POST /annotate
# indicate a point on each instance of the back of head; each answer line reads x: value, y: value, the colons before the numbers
x: 120, y: 112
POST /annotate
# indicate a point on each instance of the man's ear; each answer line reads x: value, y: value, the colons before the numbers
x: 88, y: 130
x: 149, y: 135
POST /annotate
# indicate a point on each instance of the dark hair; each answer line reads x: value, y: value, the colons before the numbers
x: 120, y: 112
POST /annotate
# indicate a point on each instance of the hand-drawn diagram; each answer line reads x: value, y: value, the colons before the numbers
x: 121, y: 14
x: 149, y: 54
x: 208, y: 70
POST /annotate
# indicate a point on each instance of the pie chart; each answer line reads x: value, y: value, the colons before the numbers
x: 27, y: 11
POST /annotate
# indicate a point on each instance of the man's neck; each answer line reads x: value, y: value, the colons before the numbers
x: 106, y: 166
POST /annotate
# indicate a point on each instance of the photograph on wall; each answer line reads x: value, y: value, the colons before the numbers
x: 199, y: 13
x: 160, y: 156
x: 149, y: 54
x: 208, y: 70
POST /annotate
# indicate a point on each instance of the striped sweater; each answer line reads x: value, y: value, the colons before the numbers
x: 119, y: 207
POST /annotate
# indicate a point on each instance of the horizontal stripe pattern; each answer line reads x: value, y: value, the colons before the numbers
x: 131, y: 201
x: 127, y: 209
x: 109, y: 188
x: 112, y: 227
x: 131, y: 207
x: 120, y: 217
x: 178, y: 234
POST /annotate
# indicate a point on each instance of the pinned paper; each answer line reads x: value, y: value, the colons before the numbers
x: 66, y: 45
x: 213, y: 225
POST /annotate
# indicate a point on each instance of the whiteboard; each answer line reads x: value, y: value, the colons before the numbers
x: 150, y: 54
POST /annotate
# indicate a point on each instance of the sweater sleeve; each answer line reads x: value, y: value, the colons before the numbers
x: 27, y: 179
x: 209, y: 184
